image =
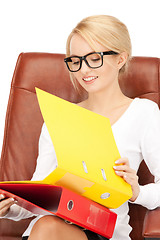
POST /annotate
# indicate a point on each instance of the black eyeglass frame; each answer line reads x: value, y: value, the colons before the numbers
x: 68, y: 59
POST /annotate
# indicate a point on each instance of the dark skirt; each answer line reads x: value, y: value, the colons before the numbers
x: 90, y: 235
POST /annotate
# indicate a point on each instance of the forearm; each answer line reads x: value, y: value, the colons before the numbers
x: 46, y: 154
x: 149, y: 196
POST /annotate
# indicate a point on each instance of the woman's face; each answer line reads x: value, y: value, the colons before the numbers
x: 94, y: 80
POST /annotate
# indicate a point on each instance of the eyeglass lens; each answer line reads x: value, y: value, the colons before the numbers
x: 93, y: 60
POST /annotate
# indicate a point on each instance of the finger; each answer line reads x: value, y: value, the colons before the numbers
x: 2, y: 196
x: 5, y: 206
x: 4, y: 211
x: 120, y: 173
x: 123, y: 175
x: 124, y: 168
x: 122, y: 161
x: 128, y: 177
x: 7, y: 203
x: 131, y: 179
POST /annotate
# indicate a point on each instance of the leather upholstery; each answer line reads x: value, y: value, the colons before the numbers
x: 23, y: 124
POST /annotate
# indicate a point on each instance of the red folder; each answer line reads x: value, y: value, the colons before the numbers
x: 46, y: 199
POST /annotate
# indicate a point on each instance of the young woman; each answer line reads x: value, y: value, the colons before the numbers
x: 98, y: 50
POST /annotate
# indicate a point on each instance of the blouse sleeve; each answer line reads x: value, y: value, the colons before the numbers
x: 46, y: 163
x: 149, y: 196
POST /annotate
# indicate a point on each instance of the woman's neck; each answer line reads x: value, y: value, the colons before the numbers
x: 104, y: 101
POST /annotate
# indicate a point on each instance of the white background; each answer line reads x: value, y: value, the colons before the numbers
x: 43, y: 26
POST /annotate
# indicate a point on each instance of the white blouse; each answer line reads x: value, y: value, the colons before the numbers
x: 137, y: 134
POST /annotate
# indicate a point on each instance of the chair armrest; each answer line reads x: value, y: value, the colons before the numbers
x: 151, y: 227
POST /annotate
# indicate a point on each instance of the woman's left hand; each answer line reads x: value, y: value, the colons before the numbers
x: 123, y: 170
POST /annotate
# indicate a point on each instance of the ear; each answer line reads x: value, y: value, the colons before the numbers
x: 122, y: 59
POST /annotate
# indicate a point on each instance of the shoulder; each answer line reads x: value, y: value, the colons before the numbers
x: 146, y: 102
x: 145, y: 106
x: 146, y: 114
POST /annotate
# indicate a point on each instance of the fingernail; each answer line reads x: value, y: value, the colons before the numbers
x: 114, y: 167
x: 2, y: 196
x: 117, y: 172
x: 14, y: 200
x: 117, y: 161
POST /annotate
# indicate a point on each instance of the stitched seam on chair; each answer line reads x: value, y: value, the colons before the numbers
x: 7, y: 118
x: 20, y: 88
x: 8, y: 114
x: 158, y: 84
x: 150, y: 93
x: 15, y: 71
x: 10, y: 103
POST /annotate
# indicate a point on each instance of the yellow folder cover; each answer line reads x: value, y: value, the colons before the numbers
x: 86, y: 151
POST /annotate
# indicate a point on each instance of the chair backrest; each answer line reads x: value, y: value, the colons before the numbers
x: 24, y: 121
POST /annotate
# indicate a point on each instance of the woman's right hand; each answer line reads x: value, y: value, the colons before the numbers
x: 5, y: 205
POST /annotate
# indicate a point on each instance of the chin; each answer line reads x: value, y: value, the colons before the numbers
x: 93, y: 89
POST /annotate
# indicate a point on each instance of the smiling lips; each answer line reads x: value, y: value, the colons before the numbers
x: 89, y: 79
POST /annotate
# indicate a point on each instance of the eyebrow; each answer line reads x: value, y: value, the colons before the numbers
x: 73, y: 55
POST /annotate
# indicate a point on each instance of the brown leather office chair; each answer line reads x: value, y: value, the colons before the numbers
x: 24, y: 121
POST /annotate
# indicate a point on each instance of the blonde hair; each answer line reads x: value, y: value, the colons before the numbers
x: 108, y: 31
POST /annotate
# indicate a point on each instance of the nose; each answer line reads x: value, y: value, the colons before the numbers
x: 85, y: 68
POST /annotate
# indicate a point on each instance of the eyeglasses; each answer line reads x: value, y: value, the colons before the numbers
x: 93, y: 60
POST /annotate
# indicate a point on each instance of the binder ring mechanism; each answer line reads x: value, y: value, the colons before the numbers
x: 70, y: 205
x: 102, y: 171
x: 104, y: 195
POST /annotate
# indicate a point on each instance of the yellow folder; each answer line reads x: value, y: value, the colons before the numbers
x: 86, y: 151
